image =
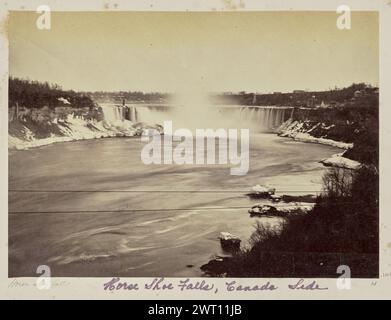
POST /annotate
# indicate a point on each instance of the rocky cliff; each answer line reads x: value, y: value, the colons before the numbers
x: 32, y: 127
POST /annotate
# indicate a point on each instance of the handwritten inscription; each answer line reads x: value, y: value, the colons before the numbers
x: 17, y: 283
x: 302, y: 285
x: 187, y: 284
x: 159, y: 284
x: 115, y: 284
x: 233, y: 286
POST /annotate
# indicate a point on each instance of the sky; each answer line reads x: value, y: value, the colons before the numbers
x: 203, y: 51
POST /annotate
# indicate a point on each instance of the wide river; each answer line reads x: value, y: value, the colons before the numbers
x: 92, y: 208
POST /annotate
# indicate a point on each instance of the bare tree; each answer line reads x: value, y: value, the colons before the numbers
x: 337, y: 182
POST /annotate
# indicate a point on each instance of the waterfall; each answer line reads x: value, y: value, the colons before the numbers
x: 113, y: 114
x: 119, y: 118
x: 293, y: 109
x: 255, y: 118
x: 132, y: 114
x: 262, y: 118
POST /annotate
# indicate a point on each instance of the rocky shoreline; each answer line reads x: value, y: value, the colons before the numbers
x: 301, y: 131
x: 40, y: 127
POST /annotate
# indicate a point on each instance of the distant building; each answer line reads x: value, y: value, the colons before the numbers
x: 323, y: 105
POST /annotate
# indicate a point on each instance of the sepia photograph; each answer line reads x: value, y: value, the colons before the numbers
x: 240, y: 144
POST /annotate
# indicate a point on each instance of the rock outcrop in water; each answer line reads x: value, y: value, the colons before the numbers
x: 261, y: 192
x: 229, y: 242
x: 296, y: 208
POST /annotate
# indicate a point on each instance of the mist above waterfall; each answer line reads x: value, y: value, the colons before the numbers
x: 194, y: 110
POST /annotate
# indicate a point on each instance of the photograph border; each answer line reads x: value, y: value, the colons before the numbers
x: 93, y: 288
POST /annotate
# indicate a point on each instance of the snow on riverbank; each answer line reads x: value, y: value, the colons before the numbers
x: 296, y: 130
x: 337, y: 160
x: 294, y: 206
x: 73, y: 128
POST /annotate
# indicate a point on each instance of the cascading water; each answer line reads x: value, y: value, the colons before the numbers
x: 119, y: 119
x: 261, y: 118
x: 256, y: 118
x: 113, y: 114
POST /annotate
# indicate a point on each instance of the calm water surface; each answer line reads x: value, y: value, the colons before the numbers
x: 92, y: 232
